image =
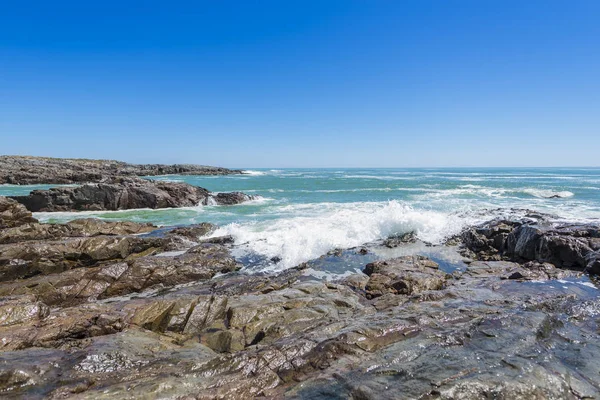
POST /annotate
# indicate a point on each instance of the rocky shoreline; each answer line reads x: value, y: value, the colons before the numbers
x: 27, y: 170
x: 125, y: 193
x: 120, y: 310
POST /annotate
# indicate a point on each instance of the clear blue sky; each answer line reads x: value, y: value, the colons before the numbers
x: 303, y: 83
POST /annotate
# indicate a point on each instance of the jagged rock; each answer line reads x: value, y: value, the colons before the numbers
x: 228, y: 239
x: 199, y: 263
x: 86, y: 284
x: 94, y: 227
x: 24, y: 170
x: 78, y: 228
x: 229, y: 198
x: 395, y: 241
x: 405, y: 275
x: 510, y: 270
x: 479, y: 335
x: 565, y: 246
x: 17, y: 310
x: 121, y: 193
x: 22, y: 260
x: 194, y: 232
x: 155, y: 316
x: 61, y: 327
x: 13, y: 214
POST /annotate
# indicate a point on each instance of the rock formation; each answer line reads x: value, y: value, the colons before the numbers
x: 125, y: 193
x: 26, y: 170
x: 118, y: 310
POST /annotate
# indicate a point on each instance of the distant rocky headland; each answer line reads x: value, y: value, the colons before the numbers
x: 28, y: 170
x: 108, y: 185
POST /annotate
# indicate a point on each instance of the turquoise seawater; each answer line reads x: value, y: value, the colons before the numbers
x: 301, y: 214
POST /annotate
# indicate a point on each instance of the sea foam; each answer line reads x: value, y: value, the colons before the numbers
x: 548, y: 194
x: 253, y: 173
x: 314, y: 230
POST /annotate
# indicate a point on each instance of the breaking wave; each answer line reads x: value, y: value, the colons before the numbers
x: 322, y: 227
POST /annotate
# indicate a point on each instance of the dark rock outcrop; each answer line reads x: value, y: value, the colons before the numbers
x: 25, y: 170
x: 228, y: 199
x: 123, y: 194
x: 566, y: 246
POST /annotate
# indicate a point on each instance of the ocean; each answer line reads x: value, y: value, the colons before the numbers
x: 301, y: 214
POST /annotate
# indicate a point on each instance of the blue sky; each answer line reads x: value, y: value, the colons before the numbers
x: 303, y: 83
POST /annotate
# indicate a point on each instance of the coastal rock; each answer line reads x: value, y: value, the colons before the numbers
x: 110, y: 310
x: 565, y: 246
x: 194, y: 232
x: 80, y: 285
x: 405, y: 275
x: 18, y: 310
x: 228, y: 199
x: 13, y: 214
x: 123, y: 194
x: 24, y: 170
x: 87, y: 227
x: 531, y: 271
x: 26, y: 259
x: 395, y: 241
x: 197, y: 264
x: 477, y: 335
x: 78, y: 228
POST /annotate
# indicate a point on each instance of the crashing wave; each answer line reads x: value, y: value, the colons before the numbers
x: 316, y: 229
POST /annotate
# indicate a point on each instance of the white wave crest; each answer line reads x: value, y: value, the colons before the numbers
x: 253, y: 173
x: 548, y: 194
x: 313, y: 231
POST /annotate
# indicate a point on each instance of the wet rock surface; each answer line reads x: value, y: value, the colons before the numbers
x: 406, y: 275
x: 122, y: 193
x: 111, y: 314
x: 24, y: 170
x: 566, y: 246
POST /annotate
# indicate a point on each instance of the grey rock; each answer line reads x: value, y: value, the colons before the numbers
x: 122, y: 194
x: 565, y: 246
x: 24, y: 170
